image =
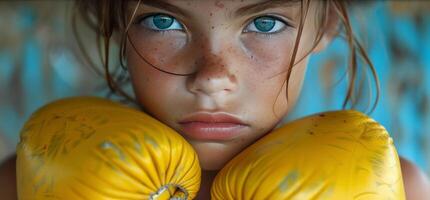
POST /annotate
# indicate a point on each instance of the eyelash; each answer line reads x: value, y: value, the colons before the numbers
x: 269, y: 35
x: 139, y: 21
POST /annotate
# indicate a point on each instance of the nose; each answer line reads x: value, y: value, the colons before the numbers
x: 213, y: 76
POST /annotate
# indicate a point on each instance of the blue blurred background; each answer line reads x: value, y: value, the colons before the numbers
x: 40, y: 62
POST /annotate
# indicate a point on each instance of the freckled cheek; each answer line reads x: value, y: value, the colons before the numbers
x: 164, y: 52
x: 268, y: 56
x: 156, y: 99
x: 149, y: 83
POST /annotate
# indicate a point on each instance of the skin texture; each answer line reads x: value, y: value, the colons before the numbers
x: 416, y: 183
x: 235, y: 72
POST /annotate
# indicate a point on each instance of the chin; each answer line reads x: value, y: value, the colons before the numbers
x: 211, y: 165
x: 214, y: 156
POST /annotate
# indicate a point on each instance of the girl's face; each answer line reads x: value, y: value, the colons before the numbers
x: 237, y: 52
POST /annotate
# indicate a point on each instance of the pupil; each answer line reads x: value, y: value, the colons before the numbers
x: 162, y: 21
x: 264, y: 24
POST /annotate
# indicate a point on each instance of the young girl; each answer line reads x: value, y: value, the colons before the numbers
x: 240, y: 64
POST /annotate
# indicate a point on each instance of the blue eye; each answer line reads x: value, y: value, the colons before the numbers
x: 266, y: 24
x: 160, y: 22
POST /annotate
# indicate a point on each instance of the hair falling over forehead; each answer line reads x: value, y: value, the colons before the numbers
x: 109, y: 17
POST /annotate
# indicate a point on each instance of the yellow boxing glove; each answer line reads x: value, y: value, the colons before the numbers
x: 335, y: 155
x: 91, y: 148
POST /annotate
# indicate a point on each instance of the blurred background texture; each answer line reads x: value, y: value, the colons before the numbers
x: 40, y: 62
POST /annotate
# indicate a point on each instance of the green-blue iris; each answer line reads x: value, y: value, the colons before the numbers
x: 264, y: 24
x: 162, y: 21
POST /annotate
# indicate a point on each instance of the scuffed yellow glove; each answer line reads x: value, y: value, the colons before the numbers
x: 91, y: 148
x: 335, y: 155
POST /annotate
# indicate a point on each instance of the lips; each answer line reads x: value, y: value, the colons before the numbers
x: 212, y: 126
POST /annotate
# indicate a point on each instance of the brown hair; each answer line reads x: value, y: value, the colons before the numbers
x: 105, y: 17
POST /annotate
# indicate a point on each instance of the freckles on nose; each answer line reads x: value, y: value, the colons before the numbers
x: 213, y: 66
x: 232, y: 78
x: 219, y: 4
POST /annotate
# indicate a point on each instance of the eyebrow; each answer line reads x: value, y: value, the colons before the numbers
x: 258, y: 7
